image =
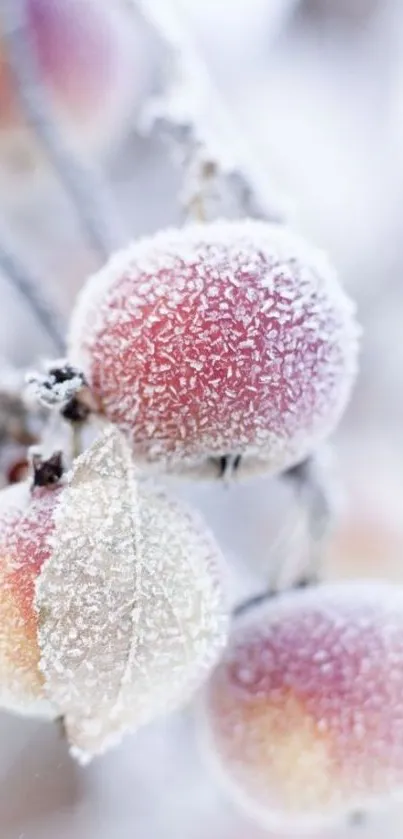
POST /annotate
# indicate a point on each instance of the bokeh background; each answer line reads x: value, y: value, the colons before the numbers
x: 315, y: 90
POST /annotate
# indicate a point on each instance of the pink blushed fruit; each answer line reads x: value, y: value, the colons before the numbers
x: 26, y: 522
x: 215, y: 339
x: 303, y: 717
x: 112, y: 608
x: 85, y: 51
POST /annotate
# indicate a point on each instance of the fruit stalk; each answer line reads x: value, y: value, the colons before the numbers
x: 215, y: 179
x: 191, y: 115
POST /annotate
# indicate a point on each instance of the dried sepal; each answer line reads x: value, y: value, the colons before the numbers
x: 62, y: 387
x: 20, y: 424
x: 57, y: 385
x: 129, y: 603
x: 47, y: 471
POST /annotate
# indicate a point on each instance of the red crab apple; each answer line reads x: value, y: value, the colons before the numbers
x: 303, y: 717
x: 111, y: 604
x: 227, y: 338
x: 26, y: 520
x: 87, y: 55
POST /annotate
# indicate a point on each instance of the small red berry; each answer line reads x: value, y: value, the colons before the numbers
x: 26, y: 521
x: 228, y: 338
x: 303, y: 717
x: 18, y: 471
x: 87, y: 56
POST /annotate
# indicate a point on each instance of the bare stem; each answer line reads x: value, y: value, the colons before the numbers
x: 76, y: 441
x: 191, y: 114
x: 312, y: 490
x: 82, y: 184
x: 312, y: 487
x: 29, y: 288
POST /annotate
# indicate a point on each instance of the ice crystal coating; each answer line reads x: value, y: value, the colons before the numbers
x: 25, y: 523
x: 129, y: 602
x: 303, y: 717
x: 228, y: 337
x: 56, y: 386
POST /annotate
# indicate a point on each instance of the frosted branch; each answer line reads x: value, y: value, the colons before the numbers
x: 29, y: 288
x: 313, y: 488
x: 220, y: 178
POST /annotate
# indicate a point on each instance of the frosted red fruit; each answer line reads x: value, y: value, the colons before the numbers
x: 303, y: 717
x: 111, y: 602
x: 26, y: 522
x: 85, y: 55
x: 221, y: 338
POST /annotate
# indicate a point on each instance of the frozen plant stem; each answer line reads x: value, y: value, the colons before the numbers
x: 218, y: 171
x: 313, y: 498
x: 76, y: 445
x: 29, y: 288
x: 192, y: 115
x: 91, y: 203
x: 312, y: 492
x: 258, y: 599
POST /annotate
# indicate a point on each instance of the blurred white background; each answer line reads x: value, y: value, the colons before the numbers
x: 316, y: 89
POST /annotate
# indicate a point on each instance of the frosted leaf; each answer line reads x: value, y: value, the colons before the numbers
x: 130, y: 606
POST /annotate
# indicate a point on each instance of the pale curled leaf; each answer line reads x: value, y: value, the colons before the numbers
x: 130, y: 611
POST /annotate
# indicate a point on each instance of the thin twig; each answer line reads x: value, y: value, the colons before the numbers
x: 82, y: 183
x: 312, y: 486
x: 216, y: 164
x: 190, y: 113
x: 311, y: 483
x: 270, y: 593
x: 21, y: 279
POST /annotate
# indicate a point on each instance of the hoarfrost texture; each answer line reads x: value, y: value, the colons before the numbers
x: 230, y: 337
x: 220, y: 177
x: 131, y: 615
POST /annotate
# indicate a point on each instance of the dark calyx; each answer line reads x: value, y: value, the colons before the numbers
x: 78, y: 407
x: 228, y: 464
x: 49, y: 471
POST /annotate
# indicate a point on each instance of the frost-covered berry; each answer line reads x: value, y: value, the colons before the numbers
x: 228, y: 338
x: 86, y: 55
x: 26, y: 521
x: 111, y: 608
x: 303, y: 717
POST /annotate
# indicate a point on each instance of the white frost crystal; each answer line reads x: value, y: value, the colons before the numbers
x: 131, y: 612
